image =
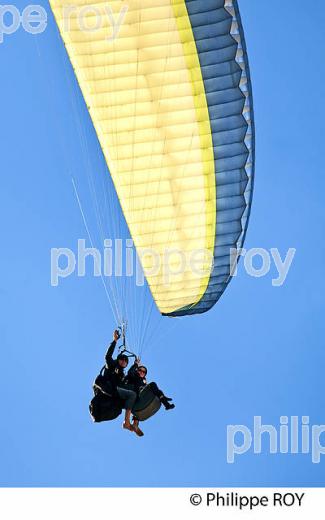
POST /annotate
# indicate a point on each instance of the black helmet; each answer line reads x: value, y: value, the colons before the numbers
x: 123, y: 357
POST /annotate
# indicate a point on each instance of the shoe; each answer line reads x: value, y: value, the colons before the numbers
x: 128, y: 427
x: 138, y: 432
x: 166, y: 403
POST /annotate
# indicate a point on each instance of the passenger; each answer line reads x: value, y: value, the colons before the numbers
x: 136, y: 380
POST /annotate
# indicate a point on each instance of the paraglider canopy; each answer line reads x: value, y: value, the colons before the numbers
x: 169, y: 94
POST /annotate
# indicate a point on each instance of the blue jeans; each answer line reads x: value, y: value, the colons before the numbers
x: 128, y: 397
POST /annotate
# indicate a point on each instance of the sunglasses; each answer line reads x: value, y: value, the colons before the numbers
x: 141, y: 371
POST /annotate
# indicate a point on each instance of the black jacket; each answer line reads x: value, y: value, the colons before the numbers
x: 134, y: 380
x: 113, y: 372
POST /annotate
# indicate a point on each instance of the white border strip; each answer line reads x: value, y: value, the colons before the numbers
x: 156, y: 503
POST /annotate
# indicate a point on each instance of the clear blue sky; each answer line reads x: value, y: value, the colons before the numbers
x: 260, y: 351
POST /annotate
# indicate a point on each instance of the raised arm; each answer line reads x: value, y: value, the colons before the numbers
x: 111, y: 348
x: 133, y: 369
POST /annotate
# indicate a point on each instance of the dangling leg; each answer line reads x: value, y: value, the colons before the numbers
x: 129, y: 397
x: 127, y: 425
x: 164, y: 400
x: 136, y: 429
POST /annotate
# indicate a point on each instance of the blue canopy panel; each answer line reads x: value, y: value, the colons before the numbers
x: 220, y: 42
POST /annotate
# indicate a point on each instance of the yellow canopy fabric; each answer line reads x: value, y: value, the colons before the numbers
x: 143, y: 86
